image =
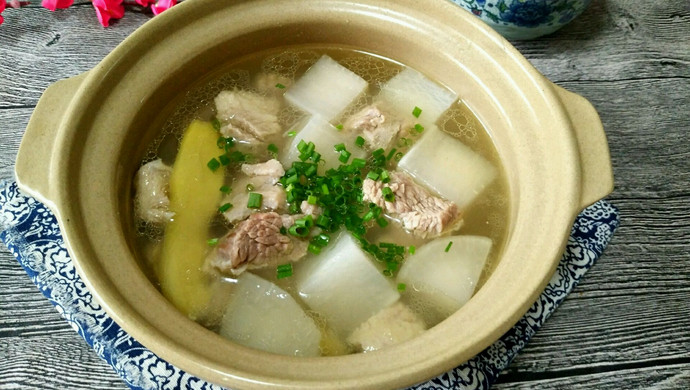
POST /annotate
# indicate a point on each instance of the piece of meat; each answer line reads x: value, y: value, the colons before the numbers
x: 248, y: 116
x: 272, y: 168
x: 378, y: 128
x: 392, y: 325
x: 151, y: 202
x: 256, y: 242
x: 270, y: 84
x: 310, y: 209
x: 419, y: 211
x: 263, y: 178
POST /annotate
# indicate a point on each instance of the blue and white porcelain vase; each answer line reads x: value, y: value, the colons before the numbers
x: 525, y: 19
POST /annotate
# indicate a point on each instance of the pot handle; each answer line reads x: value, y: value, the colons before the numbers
x: 32, y: 168
x: 595, y: 160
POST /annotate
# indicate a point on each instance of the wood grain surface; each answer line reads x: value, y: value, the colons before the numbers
x: 626, y: 326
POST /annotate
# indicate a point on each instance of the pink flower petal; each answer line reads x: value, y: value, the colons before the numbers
x: 107, y: 9
x: 162, y: 5
x: 145, y: 3
x: 56, y: 4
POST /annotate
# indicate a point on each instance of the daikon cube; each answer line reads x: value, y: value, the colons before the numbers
x: 409, y: 89
x: 448, y: 167
x: 261, y: 315
x: 343, y: 285
x: 443, y: 275
x: 326, y: 89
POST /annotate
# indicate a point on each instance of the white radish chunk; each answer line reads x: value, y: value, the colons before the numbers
x: 326, y: 89
x: 436, y: 154
x: 410, y: 89
x: 443, y: 277
x: 324, y: 136
x: 343, y: 285
x: 261, y: 315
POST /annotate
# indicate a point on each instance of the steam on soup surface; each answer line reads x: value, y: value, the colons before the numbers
x: 317, y: 201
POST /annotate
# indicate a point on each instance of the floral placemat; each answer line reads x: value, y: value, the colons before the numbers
x: 30, y: 231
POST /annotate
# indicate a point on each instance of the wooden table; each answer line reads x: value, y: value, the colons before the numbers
x: 627, y: 325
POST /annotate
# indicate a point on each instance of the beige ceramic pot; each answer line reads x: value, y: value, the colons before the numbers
x: 88, y: 133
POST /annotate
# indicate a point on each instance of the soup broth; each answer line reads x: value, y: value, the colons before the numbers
x: 292, y: 293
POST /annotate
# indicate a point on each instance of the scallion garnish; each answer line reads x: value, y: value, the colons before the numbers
x: 224, y: 159
x: 291, y: 133
x: 284, y: 271
x: 344, y: 156
x: 213, y: 164
x: 215, y: 123
x: 416, y: 111
x: 401, y: 287
x: 418, y: 128
x: 385, y: 177
x: 255, y: 200
x: 339, y: 126
x: 381, y: 221
x: 372, y: 175
x: 339, y: 147
x: 298, y: 231
x: 359, y: 141
x: 411, y: 249
x: 450, y: 243
x: 225, y: 189
x: 280, y: 86
x: 212, y: 241
x: 311, y: 199
x: 391, y: 154
x: 388, y: 194
x: 225, y: 207
x: 273, y: 149
x: 250, y: 187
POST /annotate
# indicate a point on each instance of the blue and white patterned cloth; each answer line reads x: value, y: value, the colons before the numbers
x: 31, y: 233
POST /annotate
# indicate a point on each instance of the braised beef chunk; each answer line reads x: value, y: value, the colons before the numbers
x: 248, y: 116
x: 415, y: 207
x: 151, y: 202
x: 378, y: 128
x: 256, y: 242
x: 260, y: 178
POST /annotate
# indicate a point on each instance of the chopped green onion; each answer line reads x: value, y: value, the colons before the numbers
x: 450, y: 243
x: 284, y: 271
x: 280, y: 86
x: 298, y: 231
x: 255, y: 200
x: 339, y: 147
x: 302, y: 146
x: 250, y: 187
x: 411, y: 249
x: 212, y: 241
x: 213, y: 164
x: 321, y: 240
x: 344, y: 156
x: 237, y: 156
x: 311, y: 199
x: 283, y: 230
x: 339, y: 126
x: 358, y: 163
x: 314, y: 249
x: 388, y: 194
x: 398, y: 156
x: 385, y: 177
x: 372, y: 175
x: 323, y: 222
x: 291, y: 133
x: 381, y: 221
x: 224, y: 159
x: 225, y: 189
x: 391, y: 154
x: 224, y: 208
x: 215, y: 123
x: 307, y: 222
x: 416, y: 112
x: 359, y: 141
x: 272, y: 148
x: 401, y: 287
x: 418, y: 128
x: 324, y: 189
x: 402, y: 142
